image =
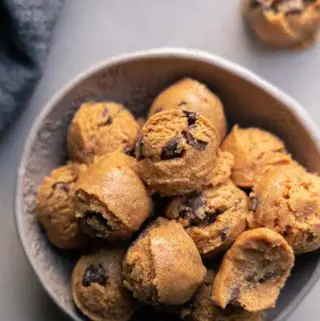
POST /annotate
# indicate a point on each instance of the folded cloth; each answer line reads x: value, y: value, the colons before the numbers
x: 26, y: 28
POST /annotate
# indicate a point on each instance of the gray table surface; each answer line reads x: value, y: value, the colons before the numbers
x: 90, y: 31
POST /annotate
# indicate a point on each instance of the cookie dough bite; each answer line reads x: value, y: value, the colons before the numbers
x: 288, y: 201
x: 111, y: 199
x: 177, y: 151
x: 253, y: 271
x: 213, y: 218
x: 163, y: 265
x: 97, y: 286
x: 201, y: 307
x: 223, y: 167
x: 55, y: 207
x: 255, y: 151
x: 191, y: 95
x: 283, y: 23
x: 100, y: 128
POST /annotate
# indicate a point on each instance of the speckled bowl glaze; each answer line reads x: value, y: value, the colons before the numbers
x: 134, y: 80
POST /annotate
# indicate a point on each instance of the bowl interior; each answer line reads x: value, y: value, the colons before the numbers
x: 135, y: 82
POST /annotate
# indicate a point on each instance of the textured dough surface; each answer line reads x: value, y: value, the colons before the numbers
x: 253, y: 271
x: 100, y: 128
x: 97, y: 286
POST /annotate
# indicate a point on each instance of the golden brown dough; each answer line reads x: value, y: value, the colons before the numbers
x: 284, y: 23
x: 111, y: 200
x: 55, y: 207
x: 288, y: 201
x: 163, y: 266
x: 100, y: 128
x: 201, y: 307
x: 253, y: 271
x: 177, y: 151
x: 255, y: 152
x: 213, y: 218
x: 191, y: 95
x: 97, y: 286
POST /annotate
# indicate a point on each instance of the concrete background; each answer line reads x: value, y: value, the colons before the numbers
x: 92, y: 30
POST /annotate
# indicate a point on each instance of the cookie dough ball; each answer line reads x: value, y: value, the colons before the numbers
x: 111, y: 200
x: 283, y: 23
x: 223, y: 167
x: 255, y: 151
x: 253, y: 271
x: 201, y: 307
x: 191, y: 95
x: 177, y: 151
x: 100, y: 128
x: 97, y: 286
x: 288, y: 201
x: 163, y: 265
x: 55, y: 207
x: 213, y: 218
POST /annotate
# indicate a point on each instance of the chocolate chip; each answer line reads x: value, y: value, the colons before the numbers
x: 192, y: 208
x: 139, y: 147
x: 63, y: 186
x: 310, y: 237
x: 192, y: 117
x: 96, y: 221
x: 193, y: 142
x: 108, y: 117
x: 253, y: 203
x: 234, y: 295
x: 173, y: 149
x: 251, y: 277
x: 268, y: 276
x: 224, y: 234
x: 94, y: 274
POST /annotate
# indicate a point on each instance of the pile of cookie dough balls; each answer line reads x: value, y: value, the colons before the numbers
x: 236, y: 201
x: 284, y: 24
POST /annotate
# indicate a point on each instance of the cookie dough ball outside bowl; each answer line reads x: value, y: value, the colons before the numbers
x: 100, y: 128
x: 97, y: 286
x: 288, y: 201
x: 284, y: 23
x: 191, y: 95
x: 111, y: 200
x: 253, y: 271
x: 213, y: 218
x: 163, y: 266
x: 255, y: 151
x: 55, y: 207
x: 177, y: 151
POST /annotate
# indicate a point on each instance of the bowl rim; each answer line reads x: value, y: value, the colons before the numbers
x: 167, y: 52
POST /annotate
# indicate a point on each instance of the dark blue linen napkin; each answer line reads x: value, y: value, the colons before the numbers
x: 26, y: 28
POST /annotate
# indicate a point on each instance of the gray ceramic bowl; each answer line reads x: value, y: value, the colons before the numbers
x: 134, y: 80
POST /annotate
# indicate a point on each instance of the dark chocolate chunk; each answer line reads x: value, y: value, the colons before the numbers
x: 63, y: 186
x: 94, y: 274
x: 251, y: 277
x: 139, y: 147
x: 193, y: 208
x: 173, y: 149
x: 268, y: 276
x: 310, y: 237
x: 96, y: 221
x: 224, y: 234
x: 253, y: 203
x: 234, y: 295
x: 192, y: 117
x: 193, y: 142
x: 107, y: 116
